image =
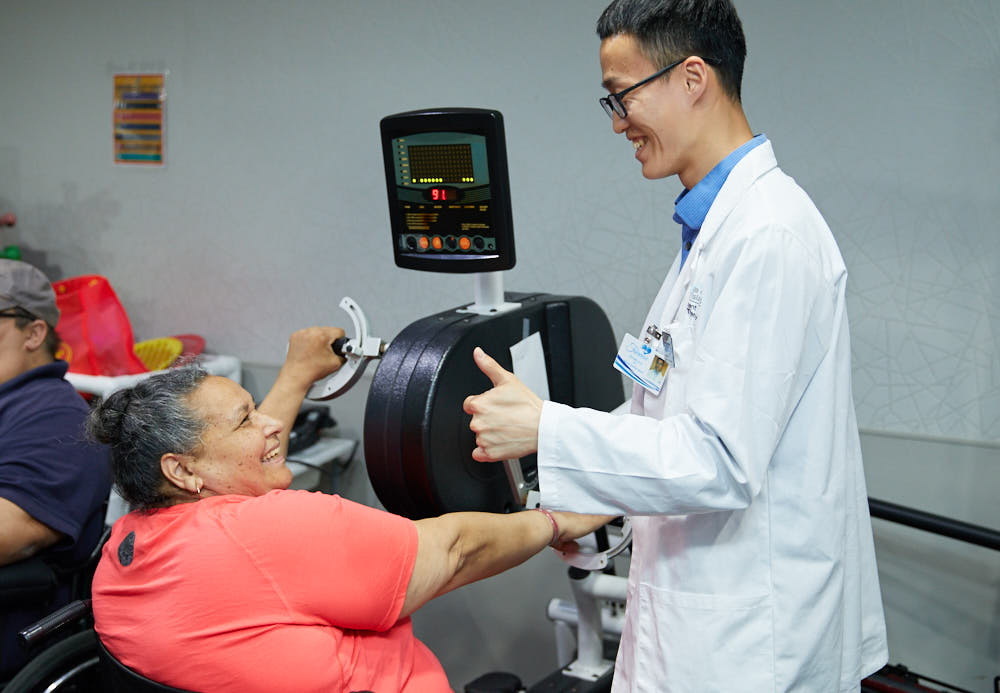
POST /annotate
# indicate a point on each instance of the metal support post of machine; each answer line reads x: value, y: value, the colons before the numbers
x: 590, y: 663
x: 489, y: 295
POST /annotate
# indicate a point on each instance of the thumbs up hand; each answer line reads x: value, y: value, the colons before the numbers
x: 505, y: 418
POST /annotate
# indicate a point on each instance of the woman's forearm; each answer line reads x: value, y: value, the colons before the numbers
x: 488, y: 544
x: 459, y: 548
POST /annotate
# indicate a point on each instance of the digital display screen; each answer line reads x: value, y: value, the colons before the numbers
x: 441, y: 163
x: 442, y: 194
x: 442, y: 160
x: 448, y: 214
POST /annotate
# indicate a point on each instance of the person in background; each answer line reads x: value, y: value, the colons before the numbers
x: 753, y: 565
x: 223, y: 580
x: 53, y: 482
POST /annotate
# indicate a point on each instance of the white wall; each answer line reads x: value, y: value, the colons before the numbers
x: 272, y: 203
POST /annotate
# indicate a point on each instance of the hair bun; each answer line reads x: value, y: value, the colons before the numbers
x: 105, y: 421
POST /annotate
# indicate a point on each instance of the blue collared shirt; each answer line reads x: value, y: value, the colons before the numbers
x: 691, y: 207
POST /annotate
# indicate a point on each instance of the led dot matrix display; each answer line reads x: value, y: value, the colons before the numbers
x: 441, y: 163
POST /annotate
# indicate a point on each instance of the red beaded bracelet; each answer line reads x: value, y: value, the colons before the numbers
x: 555, y: 525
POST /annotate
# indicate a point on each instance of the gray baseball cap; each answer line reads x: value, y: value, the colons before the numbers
x: 24, y: 286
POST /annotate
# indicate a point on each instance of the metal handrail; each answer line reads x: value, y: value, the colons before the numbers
x: 936, y: 524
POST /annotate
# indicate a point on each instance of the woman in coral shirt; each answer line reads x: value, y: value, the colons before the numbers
x: 222, y: 580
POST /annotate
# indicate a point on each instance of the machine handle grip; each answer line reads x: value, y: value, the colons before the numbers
x: 338, y: 346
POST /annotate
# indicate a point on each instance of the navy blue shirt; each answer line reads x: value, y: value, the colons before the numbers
x: 50, y: 470
x: 691, y: 206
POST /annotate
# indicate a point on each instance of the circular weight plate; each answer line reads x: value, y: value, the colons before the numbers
x: 418, y: 446
x: 457, y: 481
x: 384, y: 419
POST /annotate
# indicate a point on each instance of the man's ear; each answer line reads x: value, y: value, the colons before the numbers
x: 35, y: 333
x: 178, y: 471
x: 695, y: 76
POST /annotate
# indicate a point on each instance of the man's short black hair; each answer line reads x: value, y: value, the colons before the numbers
x: 669, y: 30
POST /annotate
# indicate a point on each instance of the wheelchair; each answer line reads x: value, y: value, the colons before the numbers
x: 36, y: 583
x: 70, y: 657
x: 78, y: 663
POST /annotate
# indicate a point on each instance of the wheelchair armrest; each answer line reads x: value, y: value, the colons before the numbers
x: 26, y: 582
x: 70, y: 613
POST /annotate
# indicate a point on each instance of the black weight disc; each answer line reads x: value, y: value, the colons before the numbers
x: 418, y: 446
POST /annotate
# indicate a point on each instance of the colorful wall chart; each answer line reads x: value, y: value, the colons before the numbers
x: 139, y: 105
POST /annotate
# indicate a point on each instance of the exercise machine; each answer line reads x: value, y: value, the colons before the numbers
x: 450, y: 212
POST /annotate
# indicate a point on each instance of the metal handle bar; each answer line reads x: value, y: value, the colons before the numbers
x: 936, y: 524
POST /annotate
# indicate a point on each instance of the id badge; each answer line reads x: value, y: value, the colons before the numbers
x: 644, y: 361
x: 668, y: 349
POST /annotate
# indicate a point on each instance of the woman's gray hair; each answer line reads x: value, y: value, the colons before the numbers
x: 141, y: 424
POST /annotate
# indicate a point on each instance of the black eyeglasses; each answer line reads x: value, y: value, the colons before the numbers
x: 613, y: 104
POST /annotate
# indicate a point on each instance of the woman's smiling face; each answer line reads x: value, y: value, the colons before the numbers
x: 240, y: 449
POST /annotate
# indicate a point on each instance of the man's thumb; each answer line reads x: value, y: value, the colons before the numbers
x: 490, y: 368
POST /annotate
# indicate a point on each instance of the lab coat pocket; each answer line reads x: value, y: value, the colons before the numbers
x: 704, y: 642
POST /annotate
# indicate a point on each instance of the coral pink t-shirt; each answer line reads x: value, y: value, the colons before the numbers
x: 289, y: 591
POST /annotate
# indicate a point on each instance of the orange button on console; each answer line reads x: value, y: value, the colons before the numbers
x: 436, y: 242
x: 424, y: 242
x: 464, y: 243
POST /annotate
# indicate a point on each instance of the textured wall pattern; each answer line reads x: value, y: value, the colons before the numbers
x: 272, y: 204
x: 892, y: 125
x: 894, y: 129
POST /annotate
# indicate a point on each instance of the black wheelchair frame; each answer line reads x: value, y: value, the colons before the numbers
x: 78, y: 663
x: 35, y: 581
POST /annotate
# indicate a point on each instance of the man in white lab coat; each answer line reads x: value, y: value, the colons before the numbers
x: 753, y: 564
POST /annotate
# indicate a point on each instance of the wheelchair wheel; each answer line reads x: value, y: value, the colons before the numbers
x: 69, y: 666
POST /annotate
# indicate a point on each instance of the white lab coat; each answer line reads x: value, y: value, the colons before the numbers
x: 753, y: 565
